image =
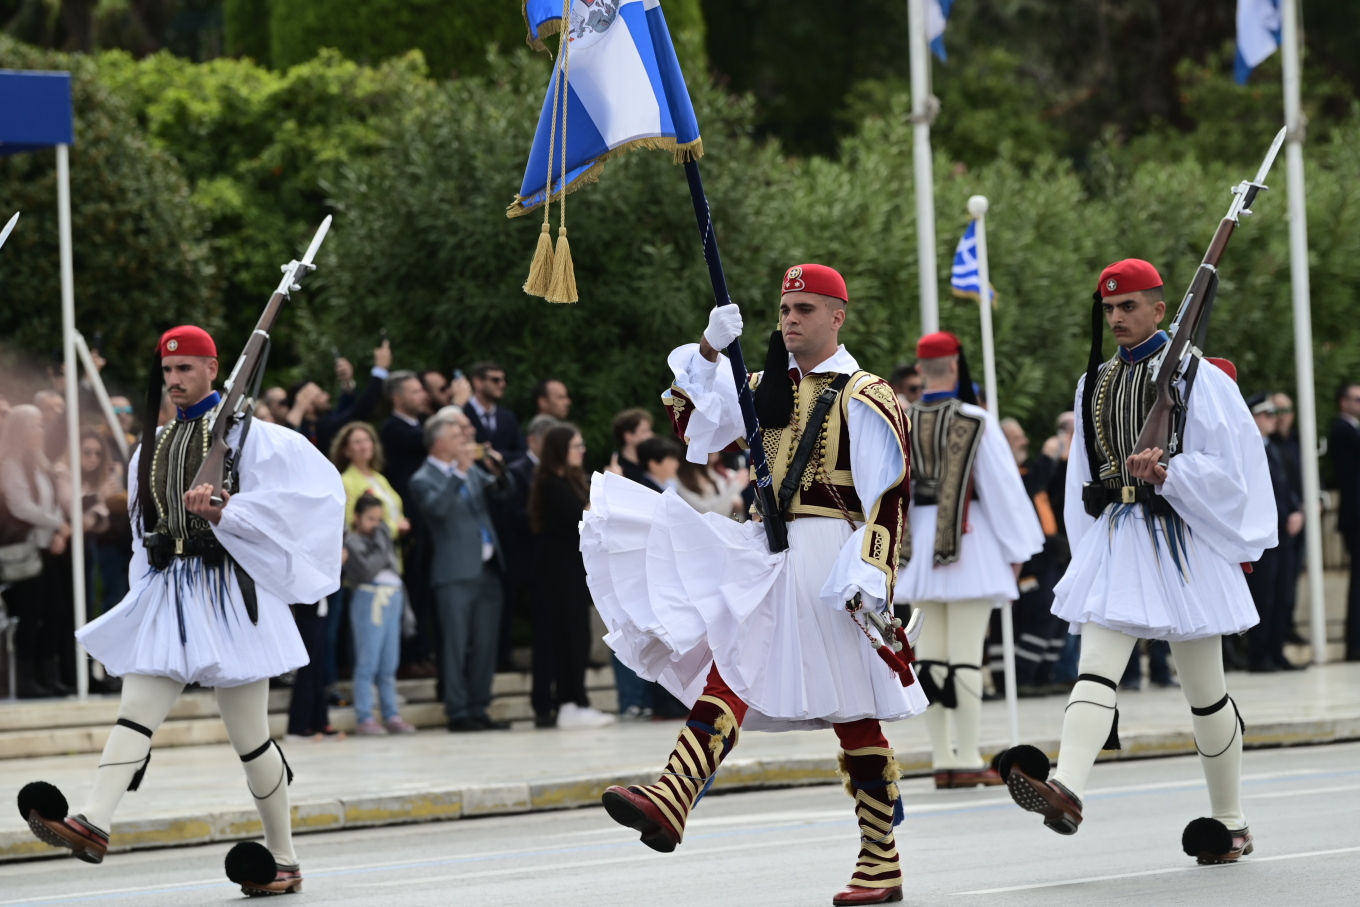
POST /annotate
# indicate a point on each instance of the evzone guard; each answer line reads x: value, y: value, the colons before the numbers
x: 767, y: 641
x: 209, y: 604
x: 1156, y: 554
x: 969, y: 527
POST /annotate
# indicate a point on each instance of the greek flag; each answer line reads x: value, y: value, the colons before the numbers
x: 937, y: 15
x: 964, y: 281
x: 623, y: 90
x: 1258, y: 34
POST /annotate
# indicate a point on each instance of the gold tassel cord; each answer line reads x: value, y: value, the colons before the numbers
x: 541, y: 269
x: 564, y: 274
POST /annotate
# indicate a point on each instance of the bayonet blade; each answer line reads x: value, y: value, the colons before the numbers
x: 9, y: 228
x: 319, y: 238
x: 1265, y: 165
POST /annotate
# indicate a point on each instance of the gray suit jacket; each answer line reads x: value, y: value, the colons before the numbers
x: 455, y: 519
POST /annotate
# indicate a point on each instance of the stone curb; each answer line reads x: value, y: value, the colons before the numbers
x: 443, y: 804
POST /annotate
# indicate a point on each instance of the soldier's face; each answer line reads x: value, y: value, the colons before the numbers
x: 811, y: 322
x: 188, y: 379
x: 1132, y: 317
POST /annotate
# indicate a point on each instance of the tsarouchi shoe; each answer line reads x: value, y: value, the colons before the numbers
x: 250, y: 865
x: 1210, y: 841
x: 1025, y: 770
x: 973, y: 777
x: 45, y: 809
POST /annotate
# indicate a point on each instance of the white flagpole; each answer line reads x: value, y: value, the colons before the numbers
x: 68, y: 343
x: 922, y: 114
x: 977, y: 207
x: 101, y: 394
x: 1303, y: 327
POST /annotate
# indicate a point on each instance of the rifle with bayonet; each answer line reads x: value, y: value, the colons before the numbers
x: 1165, y: 423
x: 222, y: 462
x: 8, y: 228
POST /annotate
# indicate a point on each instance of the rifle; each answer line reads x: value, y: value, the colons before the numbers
x: 9, y: 228
x: 1165, y: 423
x: 222, y: 464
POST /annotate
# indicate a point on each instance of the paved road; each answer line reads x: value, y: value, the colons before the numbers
x: 795, y: 847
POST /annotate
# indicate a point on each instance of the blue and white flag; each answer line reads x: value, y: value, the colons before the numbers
x: 624, y: 90
x: 1258, y: 34
x: 937, y: 16
x: 964, y: 281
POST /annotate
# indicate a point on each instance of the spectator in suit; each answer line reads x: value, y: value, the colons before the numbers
x: 1344, y: 449
x: 495, y: 424
x: 630, y: 428
x: 275, y: 399
x: 552, y: 399
x: 660, y: 459
x: 524, y: 470
x: 1271, y: 575
x: 403, y: 445
x: 1286, y: 440
x: 907, y: 384
x: 452, y: 492
x: 309, y: 405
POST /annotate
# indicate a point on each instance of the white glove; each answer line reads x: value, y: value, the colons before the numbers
x: 724, y: 326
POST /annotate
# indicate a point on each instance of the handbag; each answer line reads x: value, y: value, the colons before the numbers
x: 20, y: 558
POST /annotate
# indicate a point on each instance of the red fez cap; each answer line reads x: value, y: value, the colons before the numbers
x: 1128, y: 276
x: 815, y: 279
x: 187, y: 340
x: 1224, y: 364
x: 938, y: 345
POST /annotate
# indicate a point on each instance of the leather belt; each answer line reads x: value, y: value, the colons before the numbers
x: 1096, y: 497
x: 162, y: 549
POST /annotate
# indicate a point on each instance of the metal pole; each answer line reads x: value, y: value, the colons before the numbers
x: 68, y: 343
x: 922, y: 113
x: 1303, y: 329
x: 101, y: 394
x: 977, y: 208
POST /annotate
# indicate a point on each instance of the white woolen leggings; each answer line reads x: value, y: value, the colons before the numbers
x: 245, y: 711
x: 1090, y: 712
x: 953, y: 632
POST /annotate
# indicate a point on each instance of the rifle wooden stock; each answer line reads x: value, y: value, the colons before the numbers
x: 215, y: 465
x: 1160, y: 424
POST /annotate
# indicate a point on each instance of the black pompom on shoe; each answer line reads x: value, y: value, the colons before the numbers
x: 1207, y: 841
x: 45, y: 798
x: 1030, y: 759
x: 250, y: 863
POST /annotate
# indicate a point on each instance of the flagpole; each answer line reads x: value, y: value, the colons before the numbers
x: 977, y: 208
x: 1303, y: 328
x: 922, y: 114
x: 774, y: 529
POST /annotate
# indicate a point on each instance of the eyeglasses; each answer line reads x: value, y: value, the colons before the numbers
x: 578, y: 445
x: 913, y: 388
x: 1283, y: 410
x: 122, y: 410
x: 495, y: 379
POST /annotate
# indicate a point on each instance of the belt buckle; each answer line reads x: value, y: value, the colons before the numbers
x: 1128, y: 494
x: 179, y: 547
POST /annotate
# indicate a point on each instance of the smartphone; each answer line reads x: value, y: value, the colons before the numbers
x: 458, y: 374
x: 479, y: 451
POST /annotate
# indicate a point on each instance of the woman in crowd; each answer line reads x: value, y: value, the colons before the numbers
x: 556, y: 502
x: 711, y: 488
x: 358, y: 454
x: 33, y: 492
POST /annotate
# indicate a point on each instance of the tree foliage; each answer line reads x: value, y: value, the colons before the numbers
x: 141, y: 259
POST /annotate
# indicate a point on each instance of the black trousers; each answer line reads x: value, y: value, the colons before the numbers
x: 1352, y: 537
x: 1268, y: 581
x: 307, y: 712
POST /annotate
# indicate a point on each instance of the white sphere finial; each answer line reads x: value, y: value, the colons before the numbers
x: 977, y: 205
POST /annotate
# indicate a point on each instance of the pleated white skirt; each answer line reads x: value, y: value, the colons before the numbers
x: 982, y: 570
x: 216, y: 645
x: 1133, y: 578
x: 680, y: 591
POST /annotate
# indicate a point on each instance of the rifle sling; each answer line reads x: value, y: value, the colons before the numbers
x: 811, y: 432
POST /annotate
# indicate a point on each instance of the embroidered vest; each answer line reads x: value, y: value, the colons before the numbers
x: 1124, y: 394
x: 180, y: 449
x: 944, y: 446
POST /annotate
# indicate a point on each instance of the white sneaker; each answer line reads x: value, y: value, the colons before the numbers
x: 571, y: 716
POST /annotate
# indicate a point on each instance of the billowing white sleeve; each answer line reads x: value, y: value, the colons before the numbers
x: 1001, y: 496
x: 1076, y: 521
x: 1220, y: 484
x: 286, y: 524
x: 715, y: 418
x: 876, y: 463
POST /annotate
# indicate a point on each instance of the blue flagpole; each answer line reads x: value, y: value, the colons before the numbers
x: 776, y: 533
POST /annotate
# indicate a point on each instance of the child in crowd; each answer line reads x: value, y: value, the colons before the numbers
x: 660, y: 458
x: 375, y: 611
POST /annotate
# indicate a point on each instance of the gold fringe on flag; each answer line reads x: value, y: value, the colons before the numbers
x: 541, y: 269
x: 564, y: 274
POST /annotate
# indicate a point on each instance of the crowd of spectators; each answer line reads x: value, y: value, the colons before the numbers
x: 462, y: 540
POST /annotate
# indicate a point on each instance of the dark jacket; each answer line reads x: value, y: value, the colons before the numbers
x: 369, y: 555
x: 404, y: 452
x: 1343, y: 448
x: 507, y: 439
x: 1286, y: 501
x: 456, y: 518
x: 558, y: 568
x: 351, y: 407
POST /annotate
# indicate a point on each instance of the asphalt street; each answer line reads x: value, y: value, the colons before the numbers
x: 797, y: 846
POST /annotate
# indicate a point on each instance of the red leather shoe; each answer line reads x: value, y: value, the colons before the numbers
x: 631, y: 808
x: 854, y: 894
x: 287, y: 881
x: 944, y: 779
x: 1060, y: 808
x: 987, y: 777
x: 84, y: 840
